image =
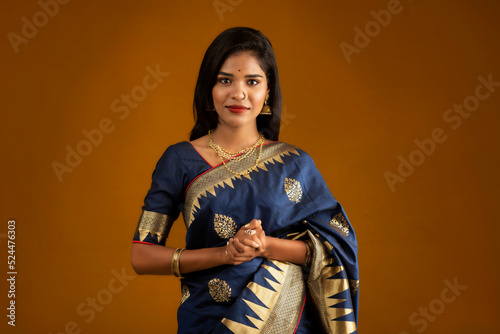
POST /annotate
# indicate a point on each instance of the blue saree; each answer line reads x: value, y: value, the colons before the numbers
x: 288, y: 194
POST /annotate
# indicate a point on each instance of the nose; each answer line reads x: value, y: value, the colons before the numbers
x: 239, y: 93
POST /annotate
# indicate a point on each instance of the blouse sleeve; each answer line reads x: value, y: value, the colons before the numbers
x: 163, y: 201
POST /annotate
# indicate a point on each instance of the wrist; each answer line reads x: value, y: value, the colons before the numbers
x: 268, y: 251
x: 223, y: 258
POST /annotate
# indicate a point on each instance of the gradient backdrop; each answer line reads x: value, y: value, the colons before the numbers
x: 397, y: 102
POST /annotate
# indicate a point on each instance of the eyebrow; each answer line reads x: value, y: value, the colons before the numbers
x: 246, y: 76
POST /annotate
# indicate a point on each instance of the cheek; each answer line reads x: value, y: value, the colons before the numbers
x: 260, y: 97
x: 219, y: 94
x: 216, y: 95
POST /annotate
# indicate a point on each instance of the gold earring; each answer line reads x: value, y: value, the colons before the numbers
x: 266, y: 110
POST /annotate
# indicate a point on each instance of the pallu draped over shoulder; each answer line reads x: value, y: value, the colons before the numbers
x: 290, y: 197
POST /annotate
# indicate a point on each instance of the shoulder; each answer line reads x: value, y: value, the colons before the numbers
x: 174, y: 153
x: 299, y: 154
x: 177, y: 148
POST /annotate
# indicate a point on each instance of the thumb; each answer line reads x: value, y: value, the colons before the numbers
x: 253, y: 224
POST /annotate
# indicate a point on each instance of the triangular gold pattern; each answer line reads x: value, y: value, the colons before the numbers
x: 211, y: 190
x: 196, y: 204
x: 154, y: 223
x: 265, y: 295
x: 259, y: 310
x: 333, y: 286
x: 219, y: 177
x: 229, y: 183
x: 262, y: 166
x: 143, y: 234
x: 329, y: 279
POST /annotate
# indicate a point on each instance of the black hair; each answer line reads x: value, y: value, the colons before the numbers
x: 230, y: 42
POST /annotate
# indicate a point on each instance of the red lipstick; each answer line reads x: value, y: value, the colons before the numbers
x: 236, y: 108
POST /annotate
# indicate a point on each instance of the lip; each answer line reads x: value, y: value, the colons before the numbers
x: 236, y: 108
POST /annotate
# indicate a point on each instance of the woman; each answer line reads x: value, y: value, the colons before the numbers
x: 268, y: 248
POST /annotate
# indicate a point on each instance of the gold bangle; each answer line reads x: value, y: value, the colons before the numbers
x: 175, y: 264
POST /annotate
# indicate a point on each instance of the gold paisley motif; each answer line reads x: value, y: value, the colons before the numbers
x: 224, y: 226
x: 185, y: 293
x: 293, y: 190
x: 339, y: 224
x: 219, y: 290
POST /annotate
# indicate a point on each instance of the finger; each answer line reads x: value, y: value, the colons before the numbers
x: 254, y: 224
x: 241, y: 248
x: 258, y: 238
x: 238, y: 259
x: 261, y: 237
x: 232, y: 252
x: 251, y: 243
x: 243, y: 257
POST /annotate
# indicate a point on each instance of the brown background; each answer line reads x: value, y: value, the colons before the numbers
x: 354, y: 118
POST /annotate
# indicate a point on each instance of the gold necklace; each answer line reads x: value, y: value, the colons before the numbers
x: 238, y: 156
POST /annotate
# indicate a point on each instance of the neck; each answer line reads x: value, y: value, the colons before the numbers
x: 235, y: 139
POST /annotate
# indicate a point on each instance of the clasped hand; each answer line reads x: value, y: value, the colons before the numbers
x: 245, y: 246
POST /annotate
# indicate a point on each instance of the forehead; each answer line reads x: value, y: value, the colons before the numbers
x: 243, y: 62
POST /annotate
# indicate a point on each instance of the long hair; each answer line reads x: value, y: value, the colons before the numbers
x: 230, y: 42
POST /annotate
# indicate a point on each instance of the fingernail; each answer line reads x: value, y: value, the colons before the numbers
x: 256, y: 245
x: 247, y: 225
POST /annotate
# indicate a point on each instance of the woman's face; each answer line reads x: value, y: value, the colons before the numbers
x: 240, y: 90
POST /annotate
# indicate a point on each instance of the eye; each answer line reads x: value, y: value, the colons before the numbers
x: 224, y: 81
x: 253, y: 82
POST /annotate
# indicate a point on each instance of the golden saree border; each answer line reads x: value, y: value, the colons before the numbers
x: 283, y: 305
x: 154, y: 223
x: 286, y: 313
x: 220, y: 177
x: 322, y: 289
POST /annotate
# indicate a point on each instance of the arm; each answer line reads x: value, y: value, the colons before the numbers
x: 156, y: 259
x: 161, y: 208
x: 285, y: 250
x: 272, y: 248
